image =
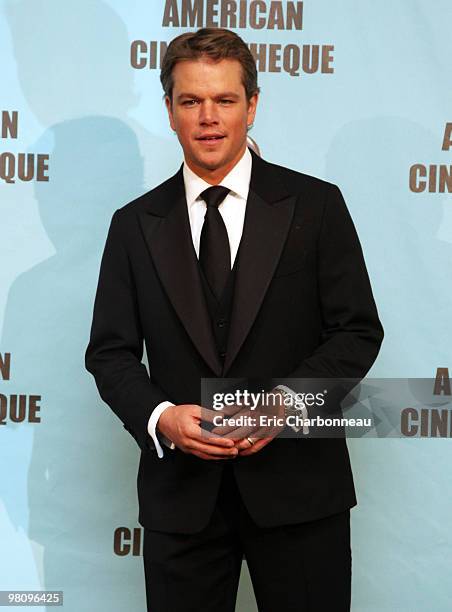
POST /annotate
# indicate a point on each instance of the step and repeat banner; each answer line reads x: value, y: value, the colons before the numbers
x: 357, y: 93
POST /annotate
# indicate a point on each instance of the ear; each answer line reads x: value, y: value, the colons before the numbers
x: 170, y: 112
x: 252, y: 106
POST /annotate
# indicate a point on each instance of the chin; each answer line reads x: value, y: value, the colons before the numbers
x: 210, y: 163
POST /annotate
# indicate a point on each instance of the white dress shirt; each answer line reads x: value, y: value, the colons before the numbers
x: 232, y: 210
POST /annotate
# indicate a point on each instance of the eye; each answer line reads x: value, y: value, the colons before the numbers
x: 189, y: 102
x: 225, y: 101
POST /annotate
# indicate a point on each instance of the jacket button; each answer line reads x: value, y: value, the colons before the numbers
x: 222, y: 355
x: 221, y: 322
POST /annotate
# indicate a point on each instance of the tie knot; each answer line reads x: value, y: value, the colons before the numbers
x: 213, y: 196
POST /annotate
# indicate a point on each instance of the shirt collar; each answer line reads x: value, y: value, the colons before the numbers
x: 237, y: 180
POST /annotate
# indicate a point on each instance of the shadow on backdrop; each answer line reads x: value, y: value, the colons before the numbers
x: 400, y: 483
x: 80, y: 483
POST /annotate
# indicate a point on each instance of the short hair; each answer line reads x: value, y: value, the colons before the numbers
x: 213, y: 43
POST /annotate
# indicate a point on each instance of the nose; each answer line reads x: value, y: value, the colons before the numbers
x: 208, y: 113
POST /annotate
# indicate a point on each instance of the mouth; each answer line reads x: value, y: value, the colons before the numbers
x: 211, y: 139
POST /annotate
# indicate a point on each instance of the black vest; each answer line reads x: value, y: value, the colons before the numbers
x: 220, y: 310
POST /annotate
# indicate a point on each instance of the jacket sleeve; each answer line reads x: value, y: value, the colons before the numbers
x: 351, y: 330
x: 115, y: 348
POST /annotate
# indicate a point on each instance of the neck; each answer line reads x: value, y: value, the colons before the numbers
x: 214, y: 176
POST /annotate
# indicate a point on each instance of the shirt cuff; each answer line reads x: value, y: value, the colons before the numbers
x: 152, y: 427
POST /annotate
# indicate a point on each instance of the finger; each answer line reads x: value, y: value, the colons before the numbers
x: 241, y: 432
x: 249, y: 420
x: 208, y: 414
x: 233, y: 433
x: 243, y: 444
x: 265, y: 432
x: 200, y: 435
x: 234, y: 409
x: 255, y: 448
x: 238, y: 431
x: 213, y: 440
x: 195, y: 411
x: 252, y: 450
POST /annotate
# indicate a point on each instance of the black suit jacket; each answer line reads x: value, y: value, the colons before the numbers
x: 302, y: 307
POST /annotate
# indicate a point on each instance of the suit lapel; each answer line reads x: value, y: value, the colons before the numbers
x: 268, y: 216
x: 166, y: 229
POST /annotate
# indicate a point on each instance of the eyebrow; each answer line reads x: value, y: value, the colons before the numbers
x: 225, y: 94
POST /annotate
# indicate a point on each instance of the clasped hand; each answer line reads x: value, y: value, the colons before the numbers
x: 233, y: 425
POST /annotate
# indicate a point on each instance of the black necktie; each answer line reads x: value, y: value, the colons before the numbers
x: 214, y: 251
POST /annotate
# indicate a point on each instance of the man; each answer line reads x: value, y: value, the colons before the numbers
x: 233, y: 267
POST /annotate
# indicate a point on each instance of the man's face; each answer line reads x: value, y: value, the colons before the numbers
x: 210, y: 114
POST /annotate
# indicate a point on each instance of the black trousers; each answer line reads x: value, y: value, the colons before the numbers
x: 293, y: 568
